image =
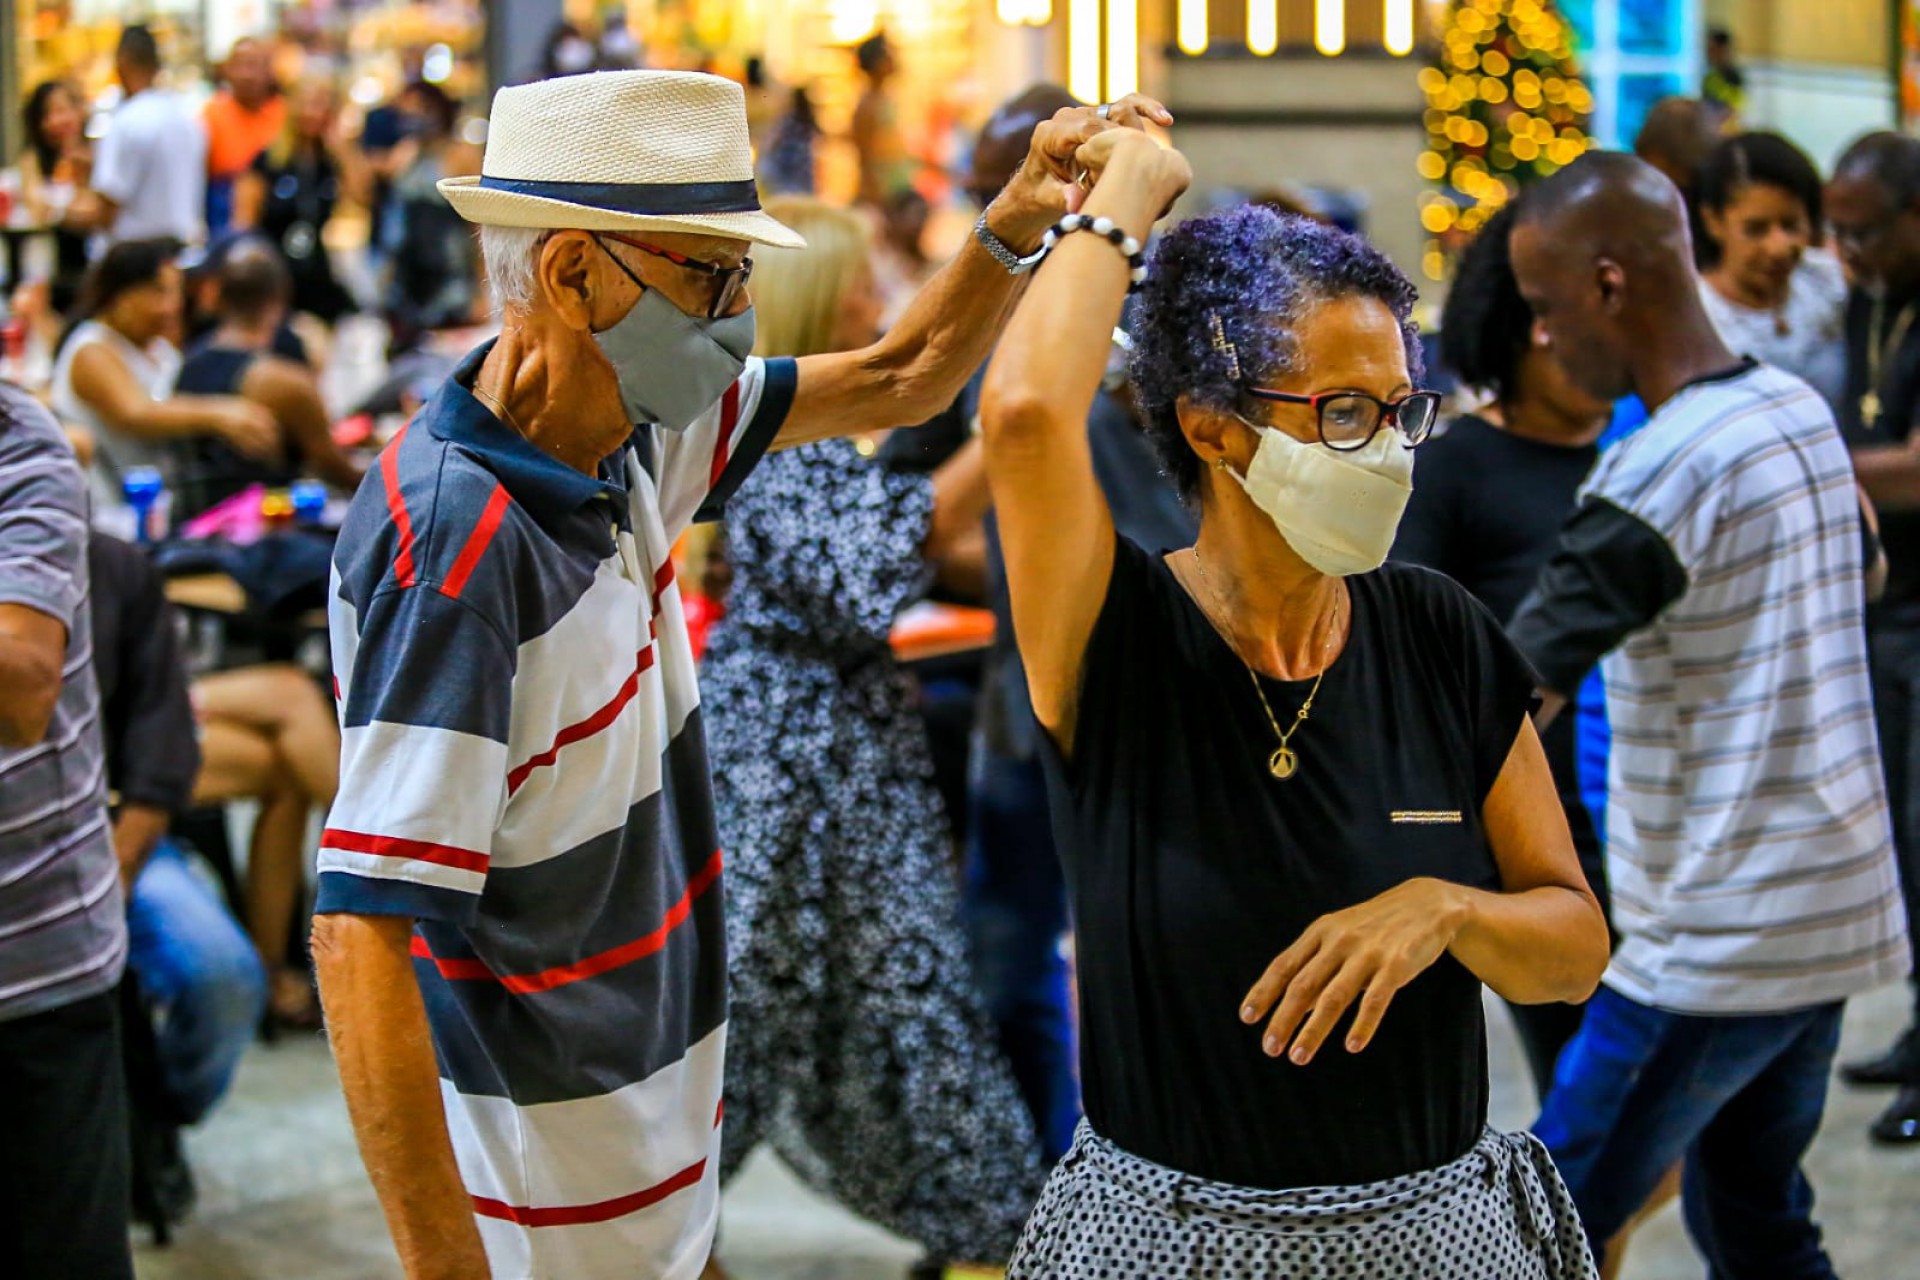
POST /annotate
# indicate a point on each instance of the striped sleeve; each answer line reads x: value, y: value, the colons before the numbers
x: 423, y: 762
x: 702, y: 466
x: 43, y: 527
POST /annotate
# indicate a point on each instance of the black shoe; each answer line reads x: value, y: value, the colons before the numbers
x: 1898, y: 1065
x: 1899, y: 1124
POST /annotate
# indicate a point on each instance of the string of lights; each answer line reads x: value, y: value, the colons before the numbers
x: 1505, y: 106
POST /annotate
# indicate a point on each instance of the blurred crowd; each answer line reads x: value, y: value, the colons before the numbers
x: 897, y: 913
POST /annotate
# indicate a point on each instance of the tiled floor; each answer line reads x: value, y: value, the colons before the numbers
x: 282, y: 1193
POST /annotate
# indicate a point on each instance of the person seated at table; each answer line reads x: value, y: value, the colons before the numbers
x: 115, y: 372
x: 237, y: 359
x: 202, y: 271
x: 268, y: 734
x: 196, y: 966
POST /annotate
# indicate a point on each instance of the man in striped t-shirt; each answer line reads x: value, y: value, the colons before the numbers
x: 1716, y: 561
x: 519, y: 919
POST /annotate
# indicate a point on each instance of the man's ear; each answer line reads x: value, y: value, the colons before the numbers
x: 1610, y: 278
x: 566, y: 276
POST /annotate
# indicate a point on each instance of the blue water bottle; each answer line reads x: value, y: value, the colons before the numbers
x: 146, y: 493
x: 309, y: 502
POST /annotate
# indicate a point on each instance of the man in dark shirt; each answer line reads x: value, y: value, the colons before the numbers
x: 241, y: 357
x: 194, y: 961
x: 1874, y: 205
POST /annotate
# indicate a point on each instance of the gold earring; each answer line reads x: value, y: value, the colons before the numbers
x: 1219, y: 464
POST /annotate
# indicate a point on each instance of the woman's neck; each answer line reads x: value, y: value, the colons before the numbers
x: 1283, y: 618
x: 1742, y: 293
x: 1531, y: 418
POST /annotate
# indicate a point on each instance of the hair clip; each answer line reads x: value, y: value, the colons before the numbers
x: 1224, y: 347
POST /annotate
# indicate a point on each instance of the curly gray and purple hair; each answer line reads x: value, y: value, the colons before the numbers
x: 1222, y: 302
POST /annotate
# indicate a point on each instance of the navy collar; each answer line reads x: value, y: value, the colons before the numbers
x: 546, y: 486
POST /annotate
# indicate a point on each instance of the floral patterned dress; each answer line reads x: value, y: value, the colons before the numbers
x: 857, y: 1046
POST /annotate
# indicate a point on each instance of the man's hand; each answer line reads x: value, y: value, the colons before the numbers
x: 1053, y: 181
x: 137, y: 828
x: 1365, y: 953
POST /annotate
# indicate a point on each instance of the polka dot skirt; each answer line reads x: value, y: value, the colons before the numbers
x: 1498, y: 1211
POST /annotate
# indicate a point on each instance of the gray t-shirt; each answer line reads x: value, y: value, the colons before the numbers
x: 63, y: 932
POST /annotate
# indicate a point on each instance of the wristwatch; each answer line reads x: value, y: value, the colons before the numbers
x: 1002, y: 252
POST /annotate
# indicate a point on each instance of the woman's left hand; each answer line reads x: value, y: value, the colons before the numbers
x: 1365, y: 953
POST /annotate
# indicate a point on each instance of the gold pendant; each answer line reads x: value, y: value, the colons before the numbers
x: 1870, y: 409
x: 1283, y: 763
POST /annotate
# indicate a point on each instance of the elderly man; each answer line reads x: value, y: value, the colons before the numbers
x: 525, y: 822
x: 1716, y: 561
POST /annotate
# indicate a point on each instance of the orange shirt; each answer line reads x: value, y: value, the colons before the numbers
x: 235, y: 135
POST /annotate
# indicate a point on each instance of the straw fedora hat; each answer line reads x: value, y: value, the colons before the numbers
x: 620, y: 151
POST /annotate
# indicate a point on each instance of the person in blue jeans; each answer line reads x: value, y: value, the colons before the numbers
x: 195, y: 965
x: 1718, y: 561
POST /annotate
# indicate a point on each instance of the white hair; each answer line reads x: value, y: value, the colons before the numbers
x: 511, y: 255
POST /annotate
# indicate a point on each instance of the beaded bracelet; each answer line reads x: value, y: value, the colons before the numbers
x: 1106, y: 230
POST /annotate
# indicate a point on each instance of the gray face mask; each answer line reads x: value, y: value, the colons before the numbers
x: 673, y: 367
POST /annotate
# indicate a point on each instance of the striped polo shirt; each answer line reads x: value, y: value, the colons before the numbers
x: 524, y: 774
x: 1716, y: 560
x: 63, y: 926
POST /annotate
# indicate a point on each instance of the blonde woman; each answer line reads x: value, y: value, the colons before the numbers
x: 858, y: 1048
x: 290, y: 193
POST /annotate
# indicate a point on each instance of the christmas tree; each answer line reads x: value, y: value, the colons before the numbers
x: 1505, y: 106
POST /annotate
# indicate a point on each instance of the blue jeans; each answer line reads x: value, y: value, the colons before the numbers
x: 1016, y: 903
x: 1739, y: 1098
x: 199, y: 969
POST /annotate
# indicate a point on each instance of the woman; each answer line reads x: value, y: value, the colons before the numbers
x: 859, y: 1050
x: 289, y: 195
x: 114, y: 377
x: 1489, y: 498
x: 1298, y: 794
x: 434, y: 260
x: 54, y: 168
x: 1772, y: 291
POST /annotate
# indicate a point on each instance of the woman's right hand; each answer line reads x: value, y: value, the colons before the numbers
x: 251, y: 429
x: 1135, y: 160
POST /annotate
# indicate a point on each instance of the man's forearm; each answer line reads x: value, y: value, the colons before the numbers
x: 1890, y: 474
x: 137, y: 828
x: 378, y: 1026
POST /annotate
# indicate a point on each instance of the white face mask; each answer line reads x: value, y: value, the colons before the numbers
x: 1338, y: 510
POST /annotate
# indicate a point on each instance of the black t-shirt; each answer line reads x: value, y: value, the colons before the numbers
x: 211, y: 470
x: 1189, y: 868
x: 1486, y: 511
x: 1899, y: 394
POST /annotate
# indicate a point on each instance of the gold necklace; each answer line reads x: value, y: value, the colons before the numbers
x: 1877, y: 355
x: 1285, y: 761
x: 501, y: 405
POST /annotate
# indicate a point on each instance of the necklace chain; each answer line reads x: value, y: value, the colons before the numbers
x: 501, y: 405
x: 1284, y: 761
x: 1877, y: 349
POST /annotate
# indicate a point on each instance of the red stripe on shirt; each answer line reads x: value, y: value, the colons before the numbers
x: 441, y: 855
x: 574, y: 1215
x: 585, y: 729
x: 595, y: 965
x: 470, y: 970
x: 397, y: 507
x: 469, y: 557
x: 662, y: 579
x: 729, y: 419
